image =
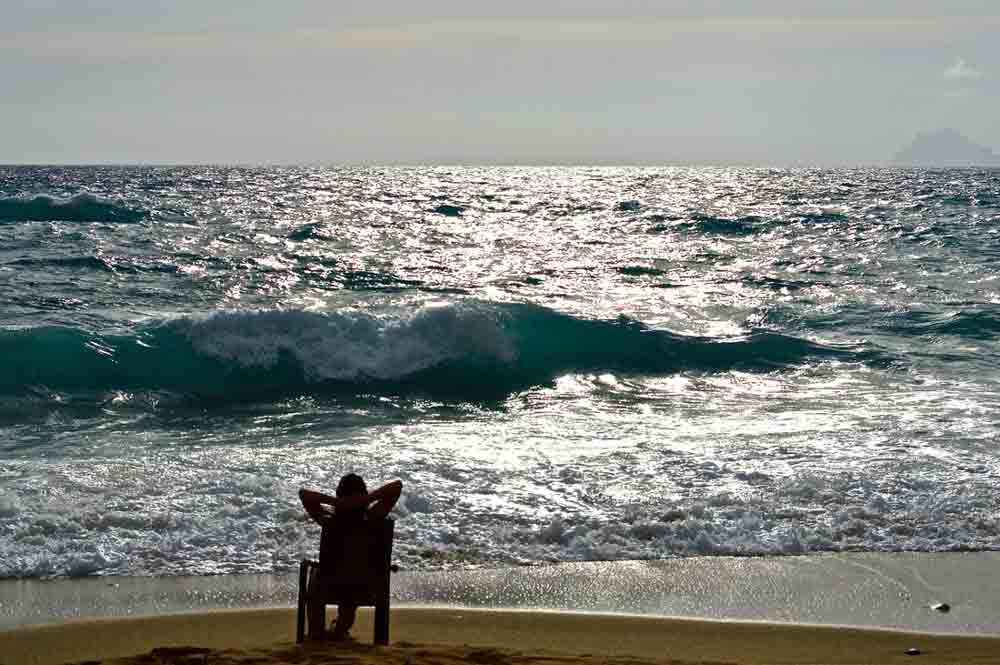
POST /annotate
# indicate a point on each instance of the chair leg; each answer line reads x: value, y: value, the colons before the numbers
x: 315, y: 607
x: 300, y: 616
x: 317, y: 618
x: 382, y: 623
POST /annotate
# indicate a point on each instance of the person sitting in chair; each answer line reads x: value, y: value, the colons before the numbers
x: 353, y: 504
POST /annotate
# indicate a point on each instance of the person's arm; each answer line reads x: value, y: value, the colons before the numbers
x: 385, y: 498
x: 313, y: 502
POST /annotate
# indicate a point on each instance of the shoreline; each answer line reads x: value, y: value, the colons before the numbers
x: 892, y: 591
x: 843, y: 609
x: 424, y: 636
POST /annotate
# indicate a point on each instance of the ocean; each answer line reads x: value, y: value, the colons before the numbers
x: 561, y: 364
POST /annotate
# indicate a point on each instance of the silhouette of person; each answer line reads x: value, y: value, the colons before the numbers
x: 353, y: 503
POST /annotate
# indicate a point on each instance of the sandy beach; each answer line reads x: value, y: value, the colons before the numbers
x: 861, y: 608
x: 422, y: 636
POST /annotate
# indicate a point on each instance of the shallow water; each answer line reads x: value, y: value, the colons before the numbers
x: 869, y: 590
x: 562, y: 364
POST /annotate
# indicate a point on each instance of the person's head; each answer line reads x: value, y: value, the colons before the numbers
x: 351, y: 485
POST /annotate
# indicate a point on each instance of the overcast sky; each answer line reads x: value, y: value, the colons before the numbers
x: 518, y: 81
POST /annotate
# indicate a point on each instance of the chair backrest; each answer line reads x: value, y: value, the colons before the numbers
x: 357, y: 554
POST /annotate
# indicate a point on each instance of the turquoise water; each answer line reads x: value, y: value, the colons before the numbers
x: 561, y: 363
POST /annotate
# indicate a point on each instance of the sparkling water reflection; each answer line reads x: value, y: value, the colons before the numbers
x: 561, y: 363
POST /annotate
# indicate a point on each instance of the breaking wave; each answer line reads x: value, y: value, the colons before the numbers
x: 79, y: 208
x: 472, y: 351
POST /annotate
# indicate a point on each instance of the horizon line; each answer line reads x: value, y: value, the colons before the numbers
x: 530, y: 164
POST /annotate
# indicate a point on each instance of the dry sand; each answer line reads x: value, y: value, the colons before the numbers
x: 480, y: 637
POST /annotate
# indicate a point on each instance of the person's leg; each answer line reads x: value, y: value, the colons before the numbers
x: 345, y: 619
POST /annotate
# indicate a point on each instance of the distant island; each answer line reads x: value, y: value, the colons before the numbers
x: 945, y: 147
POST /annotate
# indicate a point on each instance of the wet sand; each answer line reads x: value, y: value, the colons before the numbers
x: 480, y: 637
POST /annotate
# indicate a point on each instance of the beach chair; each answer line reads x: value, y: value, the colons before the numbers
x: 353, y: 567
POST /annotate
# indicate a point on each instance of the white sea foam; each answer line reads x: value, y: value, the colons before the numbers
x: 352, y: 345
x: 9, y: 505
x: 223, y: 522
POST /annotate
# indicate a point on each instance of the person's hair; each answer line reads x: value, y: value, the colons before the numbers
x: 351, y: 485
